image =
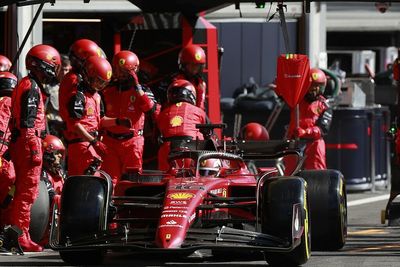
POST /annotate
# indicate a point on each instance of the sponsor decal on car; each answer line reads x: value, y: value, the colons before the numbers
x: 173, y: 216
x: 174, y: 211
x: 175, y: 208
x: 178, y: 202
x: 181, y: 195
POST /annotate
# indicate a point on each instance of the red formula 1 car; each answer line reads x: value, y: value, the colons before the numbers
x: 191, y: 208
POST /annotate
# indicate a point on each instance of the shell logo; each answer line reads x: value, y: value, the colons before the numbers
x: 90, y: 111
x: 198, y: 56
x: 121, y: 62
x: 181, y: 195
x: 176, y: 121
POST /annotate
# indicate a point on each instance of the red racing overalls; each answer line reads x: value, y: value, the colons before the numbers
x: 68, y: 87
x: 84, y: 107
x: 309, y: 113
x: 28, y: 127
x: 177, y: 123
x: 125, y: 146
x: 7, y: 173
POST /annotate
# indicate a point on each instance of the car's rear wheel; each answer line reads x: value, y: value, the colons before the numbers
x: 328, y: 205
x: 82, y: 215
x: 278, y: 198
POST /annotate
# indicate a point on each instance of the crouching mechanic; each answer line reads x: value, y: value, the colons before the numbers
x: 53, y: 175
x: 28, y: 125
x: 126, y: 101
x: 315, y: 118
x: 177, y: 122
x: 8, y: 82
x: 85, y: 112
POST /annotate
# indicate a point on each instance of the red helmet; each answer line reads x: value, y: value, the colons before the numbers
x: 53, y: 153
x: 124, y: 62
x: 181, y: 91
x: 5, y: 63
x: 52, y: 144
x: 97, y: 72
x: 81, y: 49
x: 8, y: 81
x: 192, y: 54
x: 254, y: 131
x: 44, y: 61
x: 317, y: 77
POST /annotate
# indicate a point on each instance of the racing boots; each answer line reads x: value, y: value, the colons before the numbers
x: 28, y: 245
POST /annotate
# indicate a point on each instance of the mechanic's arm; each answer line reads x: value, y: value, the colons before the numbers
x: 106, y: 122
x: 82, y: 132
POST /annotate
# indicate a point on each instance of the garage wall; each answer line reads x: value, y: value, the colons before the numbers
x: 251, y: 50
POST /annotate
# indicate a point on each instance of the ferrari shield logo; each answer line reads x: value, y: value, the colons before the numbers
x: 315, y: 76
x: 109, y: 74
x: 181, y: 195
x: 176, y: 121
x: 168, y: 236
x: 198, y: 56
x: 121, y: 62
x: 132, y: 98
x: 178, y: 104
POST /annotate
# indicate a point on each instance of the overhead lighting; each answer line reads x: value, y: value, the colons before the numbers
x: 69, y: 20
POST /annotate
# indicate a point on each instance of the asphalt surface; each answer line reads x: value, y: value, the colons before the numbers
x: 369, y: 243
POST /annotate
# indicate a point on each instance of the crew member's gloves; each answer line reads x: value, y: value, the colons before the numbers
x: 309, y: 133
x: 35, y: 148
x: 135, y: 81
x: 299, y: 132
x: 125, y: 122
x: 99, y: 147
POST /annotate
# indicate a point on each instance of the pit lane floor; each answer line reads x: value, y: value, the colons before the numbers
x: 369, y: 244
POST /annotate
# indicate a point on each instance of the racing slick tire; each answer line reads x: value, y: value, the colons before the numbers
x: 328, y: 206
x: 279, y: 195
x: 82, y: 216
x: 40, y: 213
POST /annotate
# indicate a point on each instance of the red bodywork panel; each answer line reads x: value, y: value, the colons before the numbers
x: 182, y: 198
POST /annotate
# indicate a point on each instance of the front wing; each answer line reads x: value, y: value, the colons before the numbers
x: 217, y: 238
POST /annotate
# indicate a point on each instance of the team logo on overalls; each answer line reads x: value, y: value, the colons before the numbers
x: 176, y: 121
x: 90, y: 111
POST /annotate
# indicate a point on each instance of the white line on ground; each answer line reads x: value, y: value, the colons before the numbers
x: 367, y: 200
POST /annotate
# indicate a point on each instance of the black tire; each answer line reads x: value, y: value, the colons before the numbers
x: 40, y: 214
x: 279, y: 194
x: 328, y: 207
x: 82, y: 214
